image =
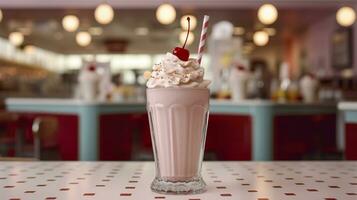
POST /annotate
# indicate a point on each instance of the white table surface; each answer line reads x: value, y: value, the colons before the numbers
x: 131, y: 180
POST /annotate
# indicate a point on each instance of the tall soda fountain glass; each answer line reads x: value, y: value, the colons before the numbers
x: 178, y: 105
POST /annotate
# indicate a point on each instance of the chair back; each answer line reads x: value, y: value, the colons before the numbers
x: 43, y: 128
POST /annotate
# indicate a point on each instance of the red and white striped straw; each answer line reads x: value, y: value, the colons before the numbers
x: 203, y: 38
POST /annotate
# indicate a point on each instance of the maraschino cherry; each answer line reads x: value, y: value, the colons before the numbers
x: 182, y: 53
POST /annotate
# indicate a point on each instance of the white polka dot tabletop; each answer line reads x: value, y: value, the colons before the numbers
x: 225, y: 180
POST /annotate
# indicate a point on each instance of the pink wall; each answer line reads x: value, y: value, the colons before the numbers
x: 318, y: 46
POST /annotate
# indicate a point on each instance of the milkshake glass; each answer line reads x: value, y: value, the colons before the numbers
x: 178, y: 116
x: 178, y: 122
x: 238, y: 81
x: 88, y: 83
x: 308, y: 88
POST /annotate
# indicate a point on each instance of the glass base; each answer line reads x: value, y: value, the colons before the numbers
x: 190, y: 186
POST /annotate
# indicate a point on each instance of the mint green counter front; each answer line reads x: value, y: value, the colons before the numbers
x: 261, y: 112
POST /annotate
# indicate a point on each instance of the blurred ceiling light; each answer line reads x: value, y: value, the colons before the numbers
x: 238, y: 30
x: 346, y: 16
x: 260, y: 38
x: 193, y: 22
x: 166, y: 14
x: 95, y: 31
x: 83, y: 38
x: 104, y: 13
x: 29, y: 49
x: 1, y: 15
x: 270, y: 31
x: 142, y: 31
x: 267, y: 14
x: 16, y: 38
x: 70, y: 23
x: 190, y: 38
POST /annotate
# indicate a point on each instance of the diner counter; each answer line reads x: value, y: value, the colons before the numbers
x: 225, y: 180
x: 217, y: 106
x: 261, y: 112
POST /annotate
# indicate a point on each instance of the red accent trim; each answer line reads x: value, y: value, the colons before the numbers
x: 229, y: 137
x: 351, y: 141
x: 202, y: 49
x: 115, y: 136
x: 298, y: 137
x: 204, y: 36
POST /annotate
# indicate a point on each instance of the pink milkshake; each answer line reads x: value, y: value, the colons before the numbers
x: 178, y: 103
x: 178, y: 118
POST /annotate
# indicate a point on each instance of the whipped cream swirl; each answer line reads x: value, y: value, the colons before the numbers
x: 173, y: 72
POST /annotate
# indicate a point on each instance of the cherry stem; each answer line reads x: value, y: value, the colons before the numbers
x: 188, y: 31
